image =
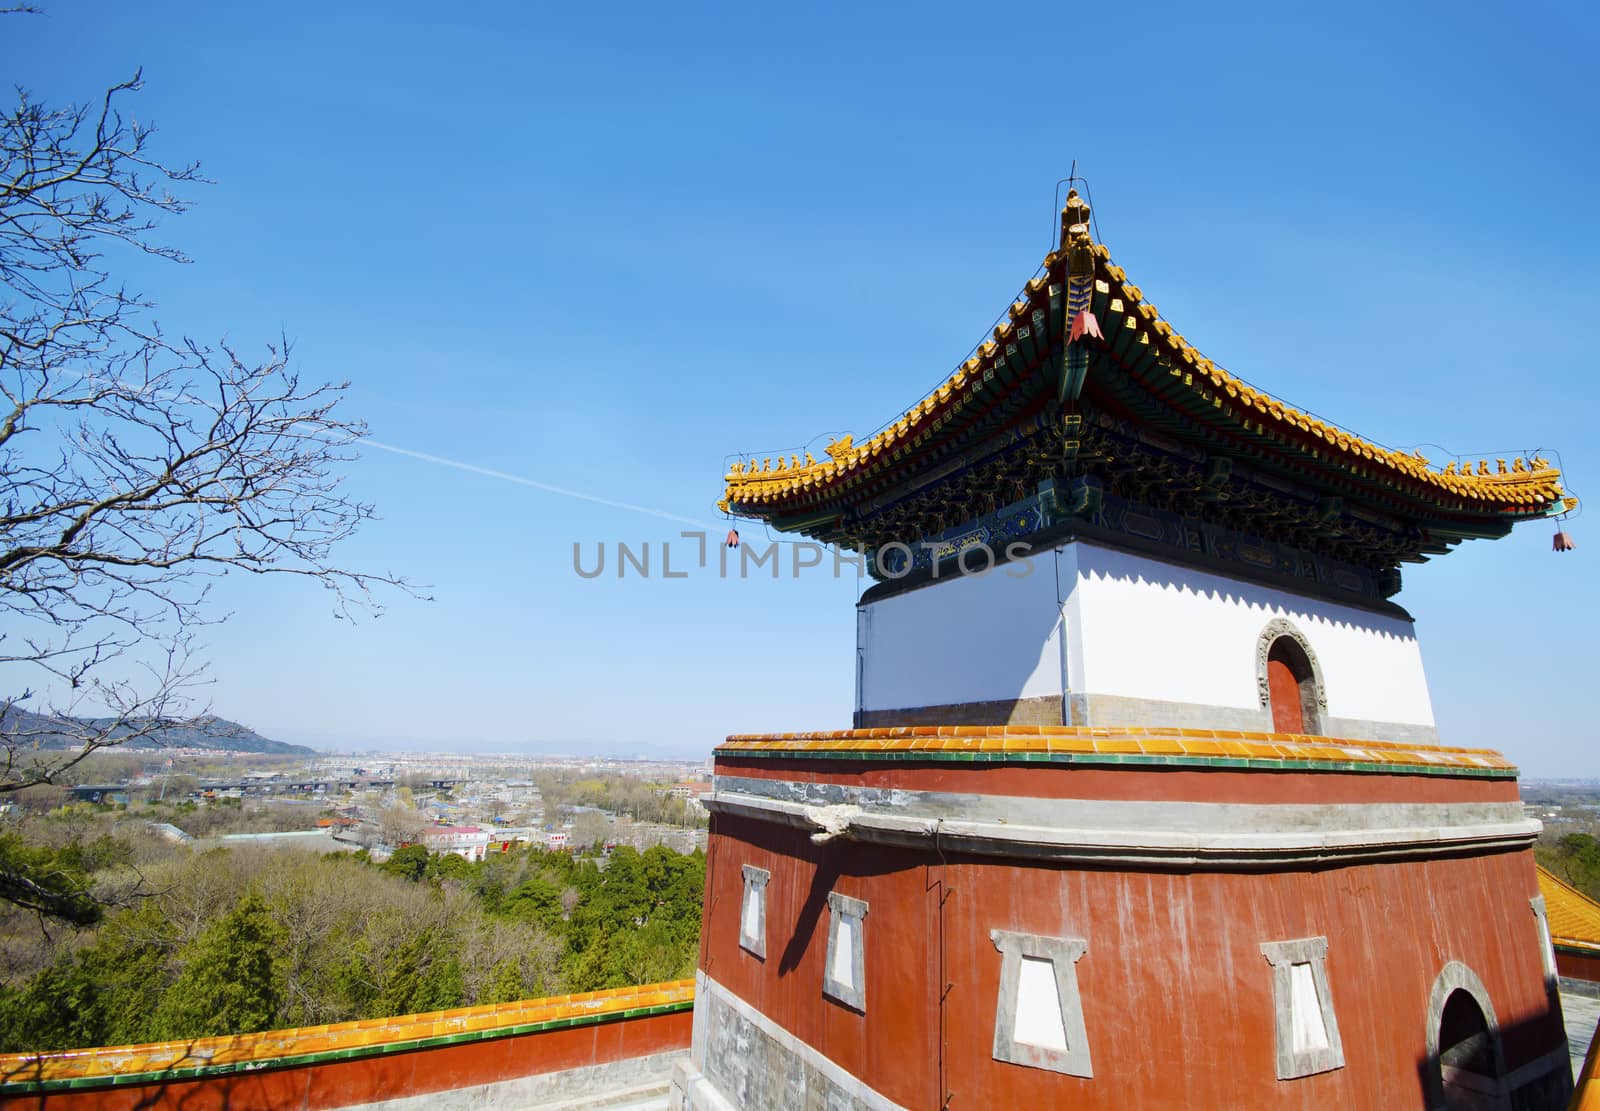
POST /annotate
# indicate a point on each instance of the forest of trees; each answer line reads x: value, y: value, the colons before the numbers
x: 636, y: 798
x: 1575, y: 857
x: 238, y: 940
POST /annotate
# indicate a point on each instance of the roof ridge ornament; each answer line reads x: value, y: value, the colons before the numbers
x: 1075, y: 225
x: 909, y: 476
x: 1080, y: 322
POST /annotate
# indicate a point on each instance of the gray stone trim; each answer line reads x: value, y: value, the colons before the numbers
x: 1128, y: 815
x: 1547, y: 945
x: 1404, y: 732
x: 1063, y: 954
x: 1453, y: 977
x: 1092, y: 708
x: 1585, y: 988
x: 1282, y: 627
x: 755, y: 884
x: 1028, y: 836
x: 852, y: 995
x: 745, y: 1059
x: 1037, y: 710
x: 629, y: 1079
x: 692, y: 1090
x: 1284, y: 955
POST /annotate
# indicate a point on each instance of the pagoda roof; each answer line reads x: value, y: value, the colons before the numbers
x: 1142, y: 373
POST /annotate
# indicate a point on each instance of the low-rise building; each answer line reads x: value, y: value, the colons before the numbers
x: 468, y: 842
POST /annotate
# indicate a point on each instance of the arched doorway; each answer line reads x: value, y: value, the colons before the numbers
x: 1291, y: 687
x: 1289, y: 679
x: 1467, y: 1072
x: 1466, y: 1064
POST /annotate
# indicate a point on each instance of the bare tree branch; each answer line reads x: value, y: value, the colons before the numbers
x: 134, y: 469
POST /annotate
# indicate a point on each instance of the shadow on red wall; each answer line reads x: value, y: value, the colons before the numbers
x: 1469, y: 1073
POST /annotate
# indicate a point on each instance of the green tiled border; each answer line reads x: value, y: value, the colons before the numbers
x: 201, y: 1072
x: 1253, y: 763
x: 1593, y: 953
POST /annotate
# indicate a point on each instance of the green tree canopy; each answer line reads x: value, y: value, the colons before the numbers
x: 230, y: 983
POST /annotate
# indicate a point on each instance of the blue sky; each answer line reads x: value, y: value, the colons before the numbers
x: 603, y: 247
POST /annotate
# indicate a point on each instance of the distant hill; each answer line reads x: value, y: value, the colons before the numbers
x: 208, y: 732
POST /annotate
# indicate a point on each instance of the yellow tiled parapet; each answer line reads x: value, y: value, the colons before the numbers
x: 1078, y: 744
x: 301, y: 1042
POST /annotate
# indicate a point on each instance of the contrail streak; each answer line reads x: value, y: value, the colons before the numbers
x: 595, y: 499
x: 460, y: 466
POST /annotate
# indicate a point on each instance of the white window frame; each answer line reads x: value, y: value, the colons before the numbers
x: 853, y: 995
x: 755, y: 887
x: 1063, y: 953
x: 1284, y: 956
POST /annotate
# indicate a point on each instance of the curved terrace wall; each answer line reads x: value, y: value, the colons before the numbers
x: 1173, y: 880
x: 504, y: 1055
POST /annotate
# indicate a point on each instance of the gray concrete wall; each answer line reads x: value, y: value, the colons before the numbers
x: 1114, y: 710
x: 629, y: 1080
x: 742, y: 1059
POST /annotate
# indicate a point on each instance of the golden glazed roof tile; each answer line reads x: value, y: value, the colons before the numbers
x: 1154, y: 743
x: 1574, y: 917
x: 245, y: 1049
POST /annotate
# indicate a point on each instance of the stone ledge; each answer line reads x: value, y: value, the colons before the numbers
x: 1144, y: 847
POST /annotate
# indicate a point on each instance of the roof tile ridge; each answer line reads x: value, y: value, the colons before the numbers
x: 781, y: 480
x: 1566, y: 887
x: 1342, y: 439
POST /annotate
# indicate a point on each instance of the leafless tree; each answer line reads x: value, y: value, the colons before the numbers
x: 590, y: 828
x: 400, y: 825
x: 135, y: 467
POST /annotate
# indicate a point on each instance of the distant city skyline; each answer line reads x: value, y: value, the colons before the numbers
x: 569, y: 274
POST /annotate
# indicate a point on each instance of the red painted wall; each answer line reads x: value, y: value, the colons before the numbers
x: 391, y: 1076
x: 1577, y: 967
x: 892, y: 1047
x: 1177, y: 995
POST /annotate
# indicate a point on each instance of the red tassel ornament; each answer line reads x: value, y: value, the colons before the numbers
x: 1084, y: 324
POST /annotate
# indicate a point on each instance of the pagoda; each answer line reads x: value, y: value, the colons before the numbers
x: 1151, y: 506
x: 1145, y: 805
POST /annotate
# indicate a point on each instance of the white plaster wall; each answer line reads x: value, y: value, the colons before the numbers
x: 1142, y: 628
x: 971, y: 638
x: 1137, y: 628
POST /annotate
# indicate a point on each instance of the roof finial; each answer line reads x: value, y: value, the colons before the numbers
x: 1074, y: 220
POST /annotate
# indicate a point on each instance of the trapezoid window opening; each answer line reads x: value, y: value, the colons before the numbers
x: 753, y: 911
x: 1039, y: 1013
x: 1292, y: 688
x: 1306, y: 1030
x: 844, y: 973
